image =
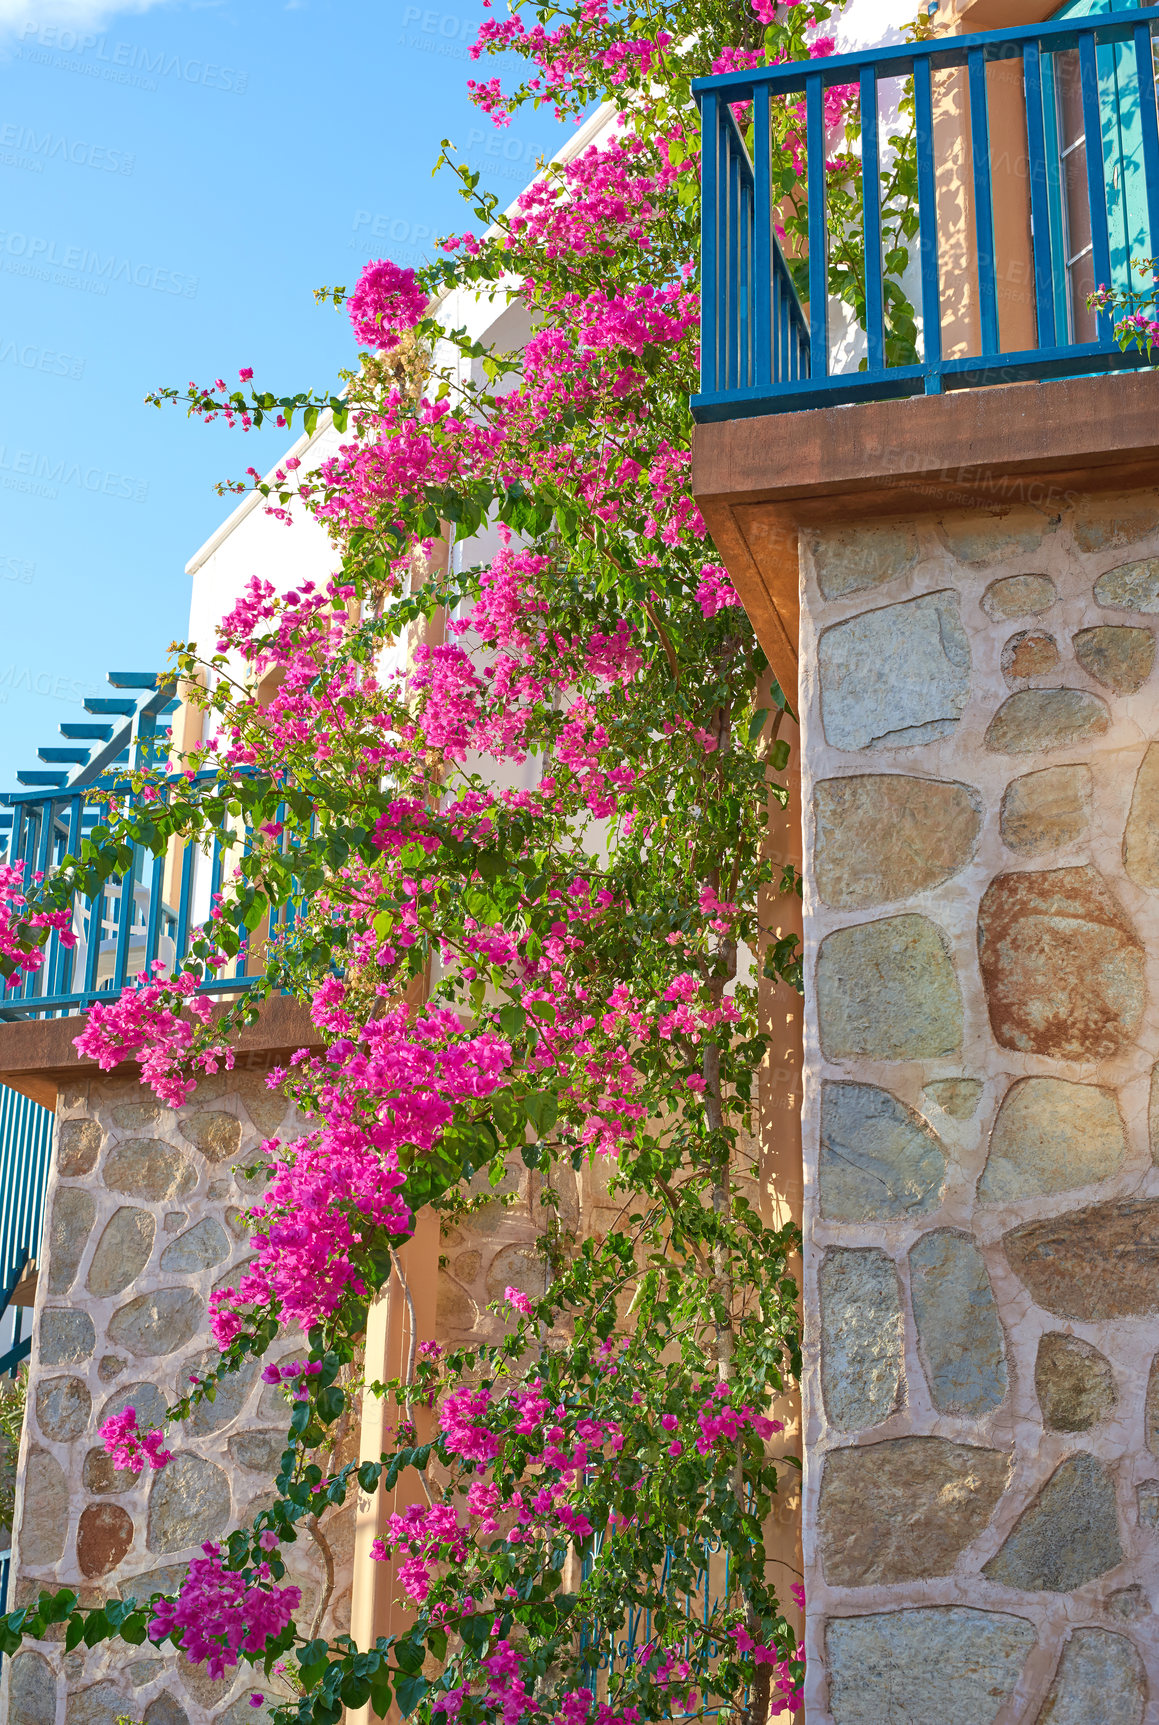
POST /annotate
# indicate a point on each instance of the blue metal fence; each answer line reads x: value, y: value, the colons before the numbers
x: 763, y: 351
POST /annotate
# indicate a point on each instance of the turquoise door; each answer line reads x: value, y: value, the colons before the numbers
x: 1121, y: 148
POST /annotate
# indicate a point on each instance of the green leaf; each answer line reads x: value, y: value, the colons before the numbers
x: 543, y: 1009
x: 542, y: 1110
x: 409, y: 1693
x: 779, y: 755
x: 475, y: 1630
x: 757, y: 723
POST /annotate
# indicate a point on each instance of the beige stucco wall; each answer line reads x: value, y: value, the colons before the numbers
x: 981, y: 797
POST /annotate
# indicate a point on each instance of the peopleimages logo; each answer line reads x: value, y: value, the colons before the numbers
x: 26, y: 680
x: 35, y: 358
x: 17, y: 569
x: 39, y: 475
x: 25, y: 147
x: 77, y: 266
x: 93, y: 55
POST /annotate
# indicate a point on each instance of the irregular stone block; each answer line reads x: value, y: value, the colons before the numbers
x: 1033, y: 721
x: 146, y: 1401
x: 110, y: 1366
x: 1128, y: 1603
x: 100, y: 1704
x: 260, y: 1451
x: 878, y: 1158
x: 861, y: 1337
x: 174, y: 1220
x: 103, y: 1536
x: 1130, y: 587
x: 150, y: 1169
x: 63, y: 1408
x: 1141, y: 839
x: 1147, y: 1496
x: 1018, y: 596
x: 73, y: 1211
x: 65, y: 1336
x: 1062, y: 965
x: 897, y: 677
x: 100, y: 1476
x: 78, y: 1144
x: 978, y: 537
x: 883, y: 836
x: 203, y: 1246
x: 44, y: 1523
x: 157, y: 1323
x: 131, y: 1116
x: 1067, y: 1536
x: 215, y: 1133
x: 1073, y: 1382
x: 266, y: 1107
x: 1101, y: 523
x: 189, y: 1503
x: 1091, y: 1264
x: 122, y: 1251
x: 163, y: 1710
x: 243, y: 1711
x: 1029, y: 654
x: 1151, y: 1409
x: 1052, y: 1136
x: 230, y: 1396
x: 957, y: 1097
x: 960, y: 1338
x: 852, y: 559
x: 143, y: 1671
x: 31, y: 1690
x: 1121, y: 659
x: 905, y: 1509
x: 940, y: 1665
x: 1043, y: 810
x: 888, y: 991
x: 1100, y: 1676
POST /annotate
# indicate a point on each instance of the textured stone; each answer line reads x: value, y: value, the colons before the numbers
x: 145, y: 1399
x: 173, y: 1221
x: 203, y: 1246
x: 517, y: 1267
x: 100, y: 1477
x: 1102, y: 523
x: 1130, y: 587
x: 861, y: 1337
x: 104, y: 1535
x: 1043, y: 810
x: 100, y: 1704
x: 157, y: 1323
x: 895, y: 677
x: 31, y: 1691
x: 63, y: 1408
x: 1141, y: 839
x: 131, y: 1116
x: 1091, y: 1264
x: 1062, y: 965
x: 65, y: 1336
x: 188, y: 1504
x: 1119, y: 658
x: 265, y: 1107
x: 206, y: 1691
x: 883, y: 836
x: 73, y: 1212
x: 1128, y: 1603
x: 853, y: 559
x: 110, y: 1366
x: 1147, y: 1497
x: 216, y: 1134
x: 242, y: 1711
x: 979, y: 536
x: 260, y: 1451
x: 938, y: 1665
x: 957, y: 1097
x: 1052, y: 1136
x: 163, y: 1710
x: 887, y: 991
x: 78, y: 1144
x: 878, y: 1158
x: 150, y: 1169
x: 1029, y: 654
x: 44, y: 1523
x: 963, y: 1350
x: 229, y: 1397
x: 1074, y: 1383
x: 143, y: 1671
x: 1100, y: 1676
x: 1034, y: 720
x: 904, y: 1509
x: 1018, y: 596
x: 1151, y: 1409
x: 456, y: 1311
x: 1067, y: 1536
x: 236, y: 1222
x: 122, y: 1251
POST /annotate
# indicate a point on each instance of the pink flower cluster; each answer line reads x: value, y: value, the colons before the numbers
x: 130, y: 1448
x: 387, y: 301
x: 221, y: 1613
x: 145, y: 1024
x: 15, y: 918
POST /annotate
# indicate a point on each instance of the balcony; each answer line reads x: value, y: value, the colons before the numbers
x: 958, y: 247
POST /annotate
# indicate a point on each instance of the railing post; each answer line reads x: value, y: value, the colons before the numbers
x: 1149, y: 126
x: 928, y: 227
x: 818, y: 236
x: 871, y: 206
x: 983, y: 202
x: 709, y: 242
x: 1039, y: 200
x: 1096, y: 174
x: 762, y: 240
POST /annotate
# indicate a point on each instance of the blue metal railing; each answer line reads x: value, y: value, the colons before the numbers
x: 25, y: 1151
x: 763, y: 352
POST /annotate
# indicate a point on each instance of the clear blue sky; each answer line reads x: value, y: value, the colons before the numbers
x: 227, y: 156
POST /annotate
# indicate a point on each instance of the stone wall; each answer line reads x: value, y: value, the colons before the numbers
x: 144, y: 1221
x: 980, y: 718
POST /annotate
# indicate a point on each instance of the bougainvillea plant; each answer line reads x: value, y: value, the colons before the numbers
x: 518, y: 761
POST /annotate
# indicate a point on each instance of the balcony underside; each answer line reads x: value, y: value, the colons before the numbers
x: 761, y: 481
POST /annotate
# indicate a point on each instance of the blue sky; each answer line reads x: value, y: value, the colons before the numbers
x: 175, y: 179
